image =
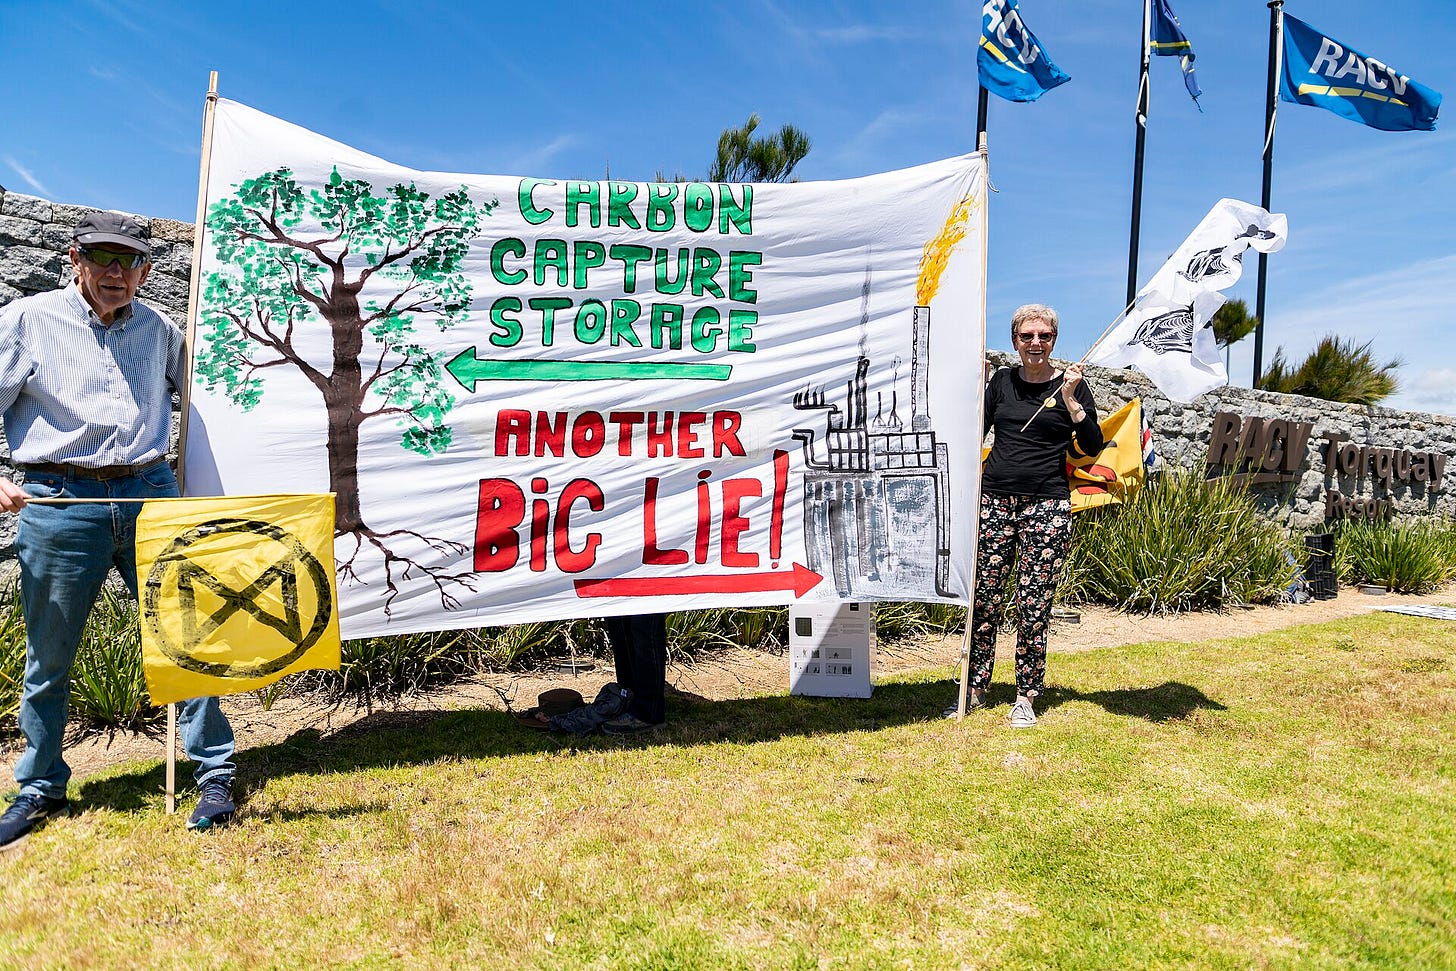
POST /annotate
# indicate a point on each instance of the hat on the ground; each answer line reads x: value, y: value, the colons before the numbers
x: 549, y: 704
x: 558, y: 701
x: 116, y: 228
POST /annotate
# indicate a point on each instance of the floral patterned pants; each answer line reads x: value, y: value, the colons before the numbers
x: 1033, y: 535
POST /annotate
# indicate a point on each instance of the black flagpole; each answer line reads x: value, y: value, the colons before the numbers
x: 1276, y: 24
x: 1137, y: 164
x: 981, y: 114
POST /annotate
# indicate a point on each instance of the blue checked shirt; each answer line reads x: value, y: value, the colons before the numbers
x: 75, y: 390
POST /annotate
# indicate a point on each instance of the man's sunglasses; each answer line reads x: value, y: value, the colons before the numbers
x: 1028, y: 338
x: 104, y: 258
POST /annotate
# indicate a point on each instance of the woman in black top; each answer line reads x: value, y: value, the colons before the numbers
x: 1026, y: 511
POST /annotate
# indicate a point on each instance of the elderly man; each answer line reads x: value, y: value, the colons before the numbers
x: 86, y: 380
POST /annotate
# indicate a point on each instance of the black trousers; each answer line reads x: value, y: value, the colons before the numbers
x: 639, y: 651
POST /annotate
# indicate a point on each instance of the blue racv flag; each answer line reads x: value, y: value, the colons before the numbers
x: 1169, y: 40
x: 1011, y: 61
x: 1325, y: 73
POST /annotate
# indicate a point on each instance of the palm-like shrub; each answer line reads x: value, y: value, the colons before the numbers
x: 108, y: 689
x: 12, y: 653
x: 1411, y: 556
x: 1335, y: 370
x: 1182, y: 542
x: 1232, y: 323
x: 897, y: 620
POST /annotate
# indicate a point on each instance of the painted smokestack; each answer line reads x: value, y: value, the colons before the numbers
x: 920, y: 370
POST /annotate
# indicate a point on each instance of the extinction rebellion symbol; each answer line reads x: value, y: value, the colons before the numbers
x: 295, y: 583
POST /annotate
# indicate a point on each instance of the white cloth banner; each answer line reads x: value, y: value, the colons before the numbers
x: 539, y: 399
x: 1168, y: 333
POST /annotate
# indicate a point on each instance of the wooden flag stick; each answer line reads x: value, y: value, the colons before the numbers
x: 61, y: 501
x: 1107, y: 330
x: 171, y: 757
x: 199, y: 236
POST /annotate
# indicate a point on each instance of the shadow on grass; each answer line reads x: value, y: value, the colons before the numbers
x: 1169, y: 701
x: 391, y: 738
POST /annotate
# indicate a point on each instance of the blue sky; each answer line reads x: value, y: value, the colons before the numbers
x: 102, y: 106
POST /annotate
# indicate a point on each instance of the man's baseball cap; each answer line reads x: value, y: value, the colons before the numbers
x: 115, y: 228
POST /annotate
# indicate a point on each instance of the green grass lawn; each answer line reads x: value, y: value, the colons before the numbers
x: 1281, y: 801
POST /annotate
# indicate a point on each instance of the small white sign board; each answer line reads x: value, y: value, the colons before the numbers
x: 831, y: 648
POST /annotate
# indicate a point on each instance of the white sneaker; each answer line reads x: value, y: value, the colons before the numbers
x: 1022, y: 714
x: 973, y: 702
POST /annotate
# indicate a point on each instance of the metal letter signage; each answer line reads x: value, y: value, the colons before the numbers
x: 1260, y: 451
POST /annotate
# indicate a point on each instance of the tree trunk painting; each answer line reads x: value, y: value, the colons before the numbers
x: 369, y: 268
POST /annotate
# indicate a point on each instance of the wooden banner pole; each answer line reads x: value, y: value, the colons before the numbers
x: 184, y: 393
x: 32, y: 501
x: 980, y: 433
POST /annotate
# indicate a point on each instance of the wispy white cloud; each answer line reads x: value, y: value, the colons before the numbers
x: 862, y: 33
x: 812, y: 38
x: 1399, y: 308
x: 27, y: 177
x: 540, y: 157
x: 869, y: 140
x: 1425, y: 157
x: 1431, y: 390
x: 126, y: 14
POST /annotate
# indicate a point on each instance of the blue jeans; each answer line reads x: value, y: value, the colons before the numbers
x: 65, y: 553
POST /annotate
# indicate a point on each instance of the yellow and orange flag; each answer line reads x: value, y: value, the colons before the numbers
x: 235, y: 592
x: 1114, y: 473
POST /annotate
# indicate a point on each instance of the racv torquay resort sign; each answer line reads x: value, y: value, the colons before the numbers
x: 1263, y: 451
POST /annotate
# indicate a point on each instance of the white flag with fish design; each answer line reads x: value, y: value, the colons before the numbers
x: 1168, y: 333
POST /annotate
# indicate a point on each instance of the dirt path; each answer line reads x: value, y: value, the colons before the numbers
x: 730, y: 674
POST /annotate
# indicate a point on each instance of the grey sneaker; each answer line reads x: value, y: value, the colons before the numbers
x: 28, y: 813
x: 973, y: 702
x: 629, y: 725
x: 1022, y: 714
x: 216, y: 806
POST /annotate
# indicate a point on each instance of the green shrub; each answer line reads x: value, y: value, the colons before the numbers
x: 901, y: 619
x: 1409, y: 556
x: 12, y: 653
x: 1182, y: 542
x: 380, y: 667
x: 761, y: 628
x: 694, y: 632
x: 108, y: 686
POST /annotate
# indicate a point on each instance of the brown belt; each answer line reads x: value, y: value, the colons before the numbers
x: 102, y: 473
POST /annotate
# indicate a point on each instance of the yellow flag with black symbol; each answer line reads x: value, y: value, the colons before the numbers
x: 1114, y: 473
x: 235, y: 592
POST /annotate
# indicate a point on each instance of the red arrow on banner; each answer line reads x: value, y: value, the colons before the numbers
x: 800, y: 579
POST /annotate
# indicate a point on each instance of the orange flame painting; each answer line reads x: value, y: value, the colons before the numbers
x: 937, y: 252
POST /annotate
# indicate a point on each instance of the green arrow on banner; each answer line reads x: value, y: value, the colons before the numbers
x: 468, y: 369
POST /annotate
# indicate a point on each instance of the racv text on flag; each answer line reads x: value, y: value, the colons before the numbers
x: 1326, y: 73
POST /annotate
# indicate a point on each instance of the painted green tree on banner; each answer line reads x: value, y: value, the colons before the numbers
x: 371, y: 270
